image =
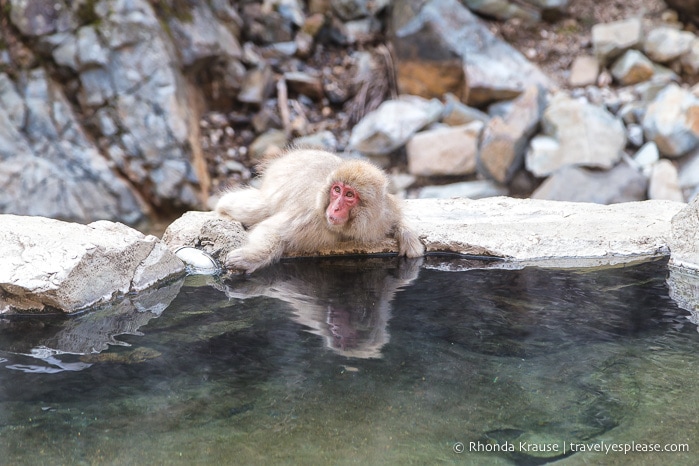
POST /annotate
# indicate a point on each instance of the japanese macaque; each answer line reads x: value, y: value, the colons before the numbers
x: 309, y: 200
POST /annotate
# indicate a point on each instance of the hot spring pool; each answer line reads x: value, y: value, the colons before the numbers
x: 367, y: 361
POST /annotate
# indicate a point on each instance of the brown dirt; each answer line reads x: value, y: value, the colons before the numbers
x: 554, y: 45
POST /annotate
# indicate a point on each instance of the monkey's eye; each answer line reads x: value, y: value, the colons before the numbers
x: 350, y: 194
x: 337, y: 189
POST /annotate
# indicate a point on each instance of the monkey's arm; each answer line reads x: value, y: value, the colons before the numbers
x: 265, y: 245
x: 244, y: 205
x: 409, y: 243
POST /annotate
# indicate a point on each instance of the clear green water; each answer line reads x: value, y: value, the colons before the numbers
x: 367, y: 362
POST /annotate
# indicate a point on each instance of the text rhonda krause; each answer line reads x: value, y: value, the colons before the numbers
x: 573, y: 447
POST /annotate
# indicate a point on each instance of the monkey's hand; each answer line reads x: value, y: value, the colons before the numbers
x: 243, y: 260
x: 265, y: 245
x: 409, y: 243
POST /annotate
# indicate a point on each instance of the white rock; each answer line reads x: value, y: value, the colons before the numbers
x: 392, y: 124
x: 584, y: 71
x: 684, y: 241
x: 444, y: 151
x: 469, y: 189
x: 530, y: 231
x: 670, y: 121
x: 663, y: 183
x: 578, y: 133
x: 634, y: 134
x: 632, y: 67
x: 664, y: 44
x: 609, y: 40
x: 689, y: 171
x: 647, y: 155
x: 69, y: 266
x: 206, y: 231
x: 198, y: 262
x: 521, y: 231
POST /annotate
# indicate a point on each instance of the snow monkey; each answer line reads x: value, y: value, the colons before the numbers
x: 312, y: 199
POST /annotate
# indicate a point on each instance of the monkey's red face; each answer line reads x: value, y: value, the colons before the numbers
x: 343, y: 198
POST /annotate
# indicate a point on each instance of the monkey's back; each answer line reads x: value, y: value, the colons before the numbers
x: 291, y: 179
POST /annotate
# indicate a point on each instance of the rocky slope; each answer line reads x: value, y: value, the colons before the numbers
x: 128, y: 110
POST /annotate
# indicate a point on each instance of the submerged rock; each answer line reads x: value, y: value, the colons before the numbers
x: 87, y: 334
x: 135, y: 356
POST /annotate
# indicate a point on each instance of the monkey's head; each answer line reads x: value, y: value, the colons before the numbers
x: 355, y: 193
x: 343, y: 198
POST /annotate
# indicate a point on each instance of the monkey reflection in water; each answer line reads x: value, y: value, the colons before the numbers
x: 345, y: 301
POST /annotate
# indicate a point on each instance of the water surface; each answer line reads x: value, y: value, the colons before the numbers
x: 374, y: 361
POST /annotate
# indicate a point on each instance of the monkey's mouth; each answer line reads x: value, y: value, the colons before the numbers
x: 332, y: 220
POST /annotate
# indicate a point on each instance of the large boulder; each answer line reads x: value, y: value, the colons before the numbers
x: 206, y: 231
x: 49, y: 265
x: 622, y: 183
x: 527, y: 231
x: 671, y: 121
x: 393, y: 123
x: 575, y: 133
x: 609, y: 40
x: 441, y: 47
x: 505, y: 138
x: 136, y: 123
x: 444, y: 151
x: 41, y: 139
